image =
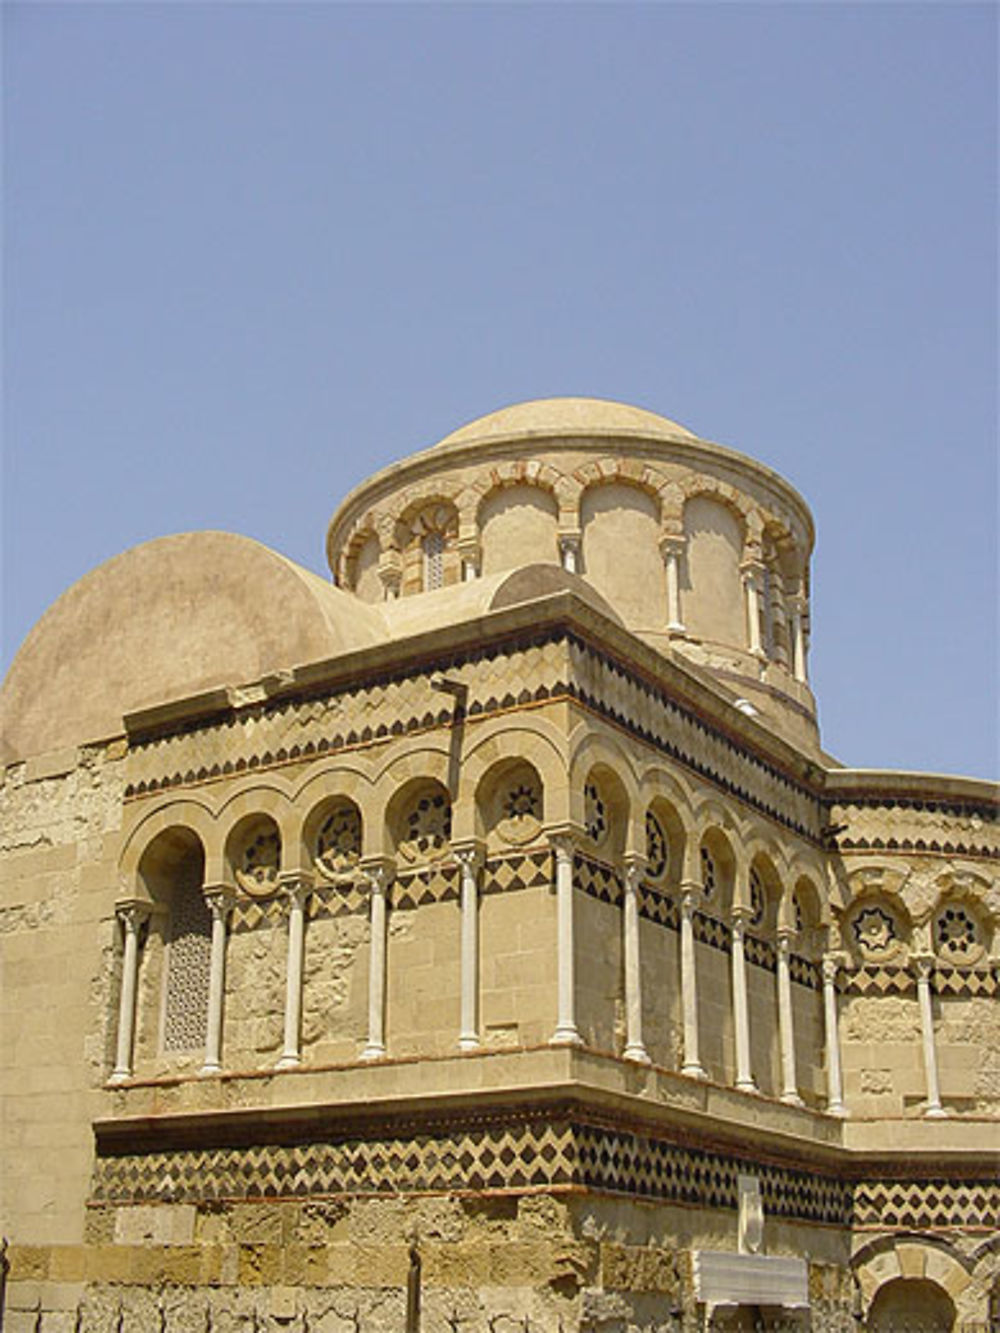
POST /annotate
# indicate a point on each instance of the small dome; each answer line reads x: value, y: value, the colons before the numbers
x: 567, y: 416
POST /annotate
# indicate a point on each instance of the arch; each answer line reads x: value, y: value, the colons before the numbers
x: 620, y: 522
x: 518, y: 525
x: 418, y: 820
x: 509, y: 804
x: 187, y: 813
x: 916, y: 1303
x: 253, y: 853
x: 762, y: 892
x: 665, y: 841
x: 718, y: 860
x: 712, y: 598
x: 910, y: 1257
x: 589, y: 751
x: 272, y: 799
x: 536, y: 739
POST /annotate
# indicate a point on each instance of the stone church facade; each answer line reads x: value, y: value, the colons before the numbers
x: 482, y: 940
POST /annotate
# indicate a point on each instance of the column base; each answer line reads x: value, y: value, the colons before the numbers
x: 637, y: 1053
x: 373, y: 1052
x: 565, y: 1035
x: 289, y: 1062
x: 209, y: 1070
x: 119, y: 1076
x: 469, y: 1044
x: 935, y: 1113
x: 693, y: 1070
x: 791, y: 1099
x: 747, y: 1085
x: 838, y: 1109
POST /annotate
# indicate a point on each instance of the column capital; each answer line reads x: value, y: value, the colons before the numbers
x: 563, y: 840
x: 784, y: 936
x: 672, y: 544
x: 220, y: 898
x: 295, y: 887
x: 831, y: 965
x: 691, y: 894
x: 635, y: 867
x: 470, y: 853
x: 923, y: 965
x: 379, y: 871
x: 752, y: 568
x: 132, y: 912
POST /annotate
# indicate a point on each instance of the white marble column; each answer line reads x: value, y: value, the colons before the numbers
x: 220, y: 902
x: 296, y: 890
x: 741, y: 1013
x: 692, y: 1066
x: 786, y: 1021
x: 566, y: 1033
x: 923, y: 964
x: 635, y: 1048
x: 378, y: 880
x: 569, y: 551
x: 131, y: 915
x: 469, y: 860
x: 834, y: 1085
x: 751, y: 586
x: 672, y: 548
x: 798, y: 640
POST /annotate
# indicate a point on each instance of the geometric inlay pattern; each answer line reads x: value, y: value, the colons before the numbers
x: 713, y: 932
x: 251, y: 914
x: 805, y: 972
x: 637, y: 1165
x: 348, y: 898
x: 760, y: 952
x: 597, y: 880
x: 522, y: 870
x: 659, y: 907
x: 436, y: 884
x: 966, y: 981
x: 521, y: 1153
x: 974, y: 1205
x: 874, y: 980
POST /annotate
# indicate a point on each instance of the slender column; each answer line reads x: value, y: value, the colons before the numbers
x: 131, y: 915
x: 566, y: 1033
x: 798, y: 640
x: 635, y: 1048
x: 672, y: 548
x: 469, y: 859
x: 569, y: 551
x: 689, y: 983
x: 741, y: 1015
x: 296, y: 891
x: 220, y: 902
x: 786, y: 1024
x: 923, y: 964
x: 751, y: 585
x: 378, y: 879
x: 834, y: 1086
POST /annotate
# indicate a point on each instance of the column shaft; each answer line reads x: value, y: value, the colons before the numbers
x: 834, y: 1085
x: 689, y: 988
x: 219, y: 905
x: 468, y: 1037
x: 131, y: 918
x: 786, y: 1024
x: 566, y: 1033
x: 291, y: 1047
x: 741, y: 1016
x: 635, y: 1048
x: 934, y: 1110
x: 375, y: 1049
x: 753, y: 612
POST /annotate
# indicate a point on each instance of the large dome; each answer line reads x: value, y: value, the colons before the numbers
x: 567, y: 416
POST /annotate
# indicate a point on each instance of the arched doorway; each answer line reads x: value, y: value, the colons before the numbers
x: 915, y: 1304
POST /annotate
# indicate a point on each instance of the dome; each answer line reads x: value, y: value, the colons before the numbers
x: 566, y: 416
x: 166, y: 619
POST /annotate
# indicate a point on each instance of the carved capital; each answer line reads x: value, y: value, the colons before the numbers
x: 469, y: 855
x: 133, y: 914
x: 379, y: 873
x: 220, y: 899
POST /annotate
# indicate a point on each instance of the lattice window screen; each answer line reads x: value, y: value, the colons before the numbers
x: 188, y: 960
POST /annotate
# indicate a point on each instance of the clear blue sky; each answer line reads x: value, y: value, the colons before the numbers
x: 255, y: 251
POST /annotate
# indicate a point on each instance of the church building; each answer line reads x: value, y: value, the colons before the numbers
x: 480, y: 940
